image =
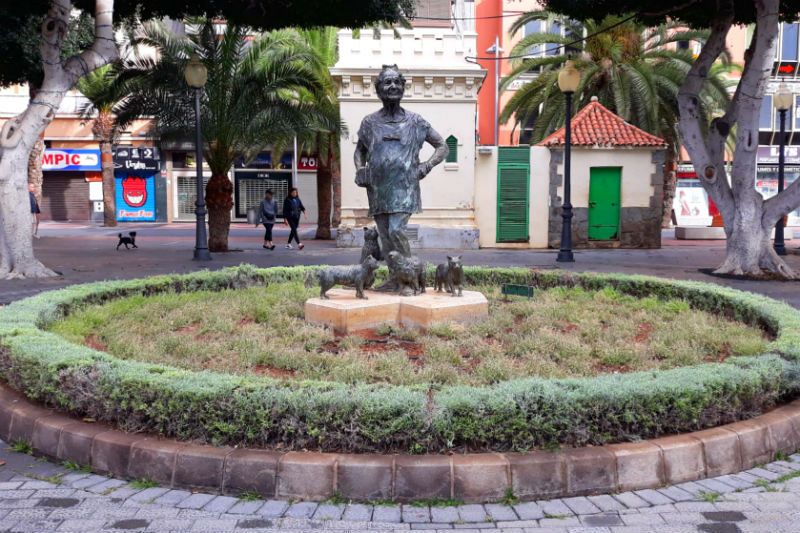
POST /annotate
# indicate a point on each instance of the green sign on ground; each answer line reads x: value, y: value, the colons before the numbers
x: 509, y: 289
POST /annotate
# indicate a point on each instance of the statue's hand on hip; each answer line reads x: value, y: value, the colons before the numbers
x: 423, y: 169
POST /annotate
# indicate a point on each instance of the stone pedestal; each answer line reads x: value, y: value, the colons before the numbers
x: 345, y: 313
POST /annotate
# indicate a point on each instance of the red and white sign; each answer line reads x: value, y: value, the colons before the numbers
x: 67, y: 159
x: 307, y: 162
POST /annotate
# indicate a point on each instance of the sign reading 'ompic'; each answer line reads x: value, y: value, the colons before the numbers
x: 71, y: 160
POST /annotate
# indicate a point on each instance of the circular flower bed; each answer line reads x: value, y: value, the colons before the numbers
x: 519, y: 414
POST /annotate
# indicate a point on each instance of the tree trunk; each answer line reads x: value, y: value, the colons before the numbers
x: 109, y: 185
x: 20, y: 134
x: 219, y: 201
x: 670, y: 182
x: 16, y: 255
x: 336, y: 186
x: 324, y: 197
x: 35, y: 174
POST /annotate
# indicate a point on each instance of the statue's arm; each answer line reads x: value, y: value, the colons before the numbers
x: 360, y: 159
x: 439, y: 153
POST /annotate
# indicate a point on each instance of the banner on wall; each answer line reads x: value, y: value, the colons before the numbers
x: 135, y: 197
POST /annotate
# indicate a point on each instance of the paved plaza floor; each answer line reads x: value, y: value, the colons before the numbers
x: 39, y: 496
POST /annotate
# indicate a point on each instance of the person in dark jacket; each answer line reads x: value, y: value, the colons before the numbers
x: 268, y: 212
x: 292, y: 208
x: 34, y: 210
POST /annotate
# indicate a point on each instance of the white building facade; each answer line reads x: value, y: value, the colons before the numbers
x: 442, y: 86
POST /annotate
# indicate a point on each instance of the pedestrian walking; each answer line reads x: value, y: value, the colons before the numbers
x: 292, y: 208
x: 35, y: 211
x: 268, y: 211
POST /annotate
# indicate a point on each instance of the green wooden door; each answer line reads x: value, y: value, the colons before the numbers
x: 513, y: 191
x: 604, y: 203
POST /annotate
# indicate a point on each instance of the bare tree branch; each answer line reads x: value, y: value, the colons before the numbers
x: 781, y: 204
x: 104, y: 48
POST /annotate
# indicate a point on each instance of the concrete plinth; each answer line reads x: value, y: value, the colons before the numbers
x: 345, y: 313
x: 692, y: 233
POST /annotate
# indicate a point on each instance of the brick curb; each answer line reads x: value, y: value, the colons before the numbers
x: 480, y: 477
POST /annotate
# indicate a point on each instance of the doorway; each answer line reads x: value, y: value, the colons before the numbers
x: 604, y: 203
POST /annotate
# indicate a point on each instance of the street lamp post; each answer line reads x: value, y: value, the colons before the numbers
x: 496, y: 50
x: 568, y: 80
x: 196, y: 76
x: 783, y: 102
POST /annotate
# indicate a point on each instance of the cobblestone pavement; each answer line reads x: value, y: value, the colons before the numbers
x: 40, y: 497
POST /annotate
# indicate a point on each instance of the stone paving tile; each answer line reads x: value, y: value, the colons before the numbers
x: 106, y: 486
x: 554, y: 508
x: 148, y: 495
x: 246, y: 507
x: 170, y: 524
x: 214, y: 525
x: 631, y: 500
x: 81, y: 525
x: 220, y: 504
x: 676, y: 494
x: 155, y: 511
x: 778, y: 468
x: 683, y: 518
x: 172, y: 497
x: 653, y: 496
x: 54, y: 493
x: 36, y: 526
x: 735, y: 481
x: 328, y: 511
x: 124, y: 492
x: 665, y: 508
x: 602, y: 520
x: 18, y: 504
x: 715, y: 485
x: 447, y: 515
x: 529, y: 511
x: 38, y: 485
x: 387, y: 513
x: 431, y: 526
x: 10, y: 485
x: 16, y: 494
x: 273, y: 508
x: 195, y: 501
x: 500, y: 512
x: 560, y: 522
x: 472, y: 513
x: 763, y: 473
x: 581, y: 505
x: 84, y: 481
x: 413, y: 514
x: 604, y: 502
x: 357, y: 512
x: 641, y: 519
x: 301, y: 510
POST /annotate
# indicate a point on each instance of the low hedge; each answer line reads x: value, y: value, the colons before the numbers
x: 516, y: 415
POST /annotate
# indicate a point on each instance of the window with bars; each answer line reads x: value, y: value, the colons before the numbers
x: 452, y: 145
x: 187, y: 195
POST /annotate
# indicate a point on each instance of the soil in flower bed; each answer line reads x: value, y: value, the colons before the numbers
x: 562, y: 332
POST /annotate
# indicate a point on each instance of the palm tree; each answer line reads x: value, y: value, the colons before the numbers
x: 326, y: 143
x: 258, y: 93
x: 634, y: 71
x: 99, y: 89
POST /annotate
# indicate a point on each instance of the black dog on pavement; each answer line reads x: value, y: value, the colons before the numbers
x: 129, y: 240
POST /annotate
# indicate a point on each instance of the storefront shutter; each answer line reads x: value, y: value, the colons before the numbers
x: 65, y: 197
x: 513, y: 192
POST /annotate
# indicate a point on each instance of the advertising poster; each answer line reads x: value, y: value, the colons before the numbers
x: 691, y: 204
x: 135, y: 197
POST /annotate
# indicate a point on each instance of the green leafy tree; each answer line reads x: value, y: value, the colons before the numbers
x: 632, y: 70
x: 60, y: 71
x: 260, y: 92
x: 99, y: 89
x: 748, y: 217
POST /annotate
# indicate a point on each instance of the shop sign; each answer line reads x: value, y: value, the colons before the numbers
x: 140, y: 158
x: 264, y: 161
x: 71, y: 160
x: 307, y: 162
x: 768, y: 155
x: 135, y: 198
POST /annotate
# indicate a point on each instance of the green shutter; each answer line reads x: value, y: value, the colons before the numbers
x: 452, y: 145
x: 513, y: 192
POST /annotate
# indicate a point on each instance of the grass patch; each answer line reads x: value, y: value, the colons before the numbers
x: 710, y: 497
x: 786, y: 477
x: 509, y: 498
x: 141, y: 484
x: 22, y: 446
x: 563, y: 332
x: 249, y: 496
x: 75, y: 467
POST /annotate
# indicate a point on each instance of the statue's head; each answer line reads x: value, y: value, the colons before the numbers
x: 390, y: 84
